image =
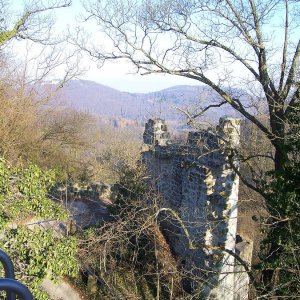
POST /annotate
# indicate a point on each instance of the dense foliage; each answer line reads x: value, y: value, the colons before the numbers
x: 281, y: 264
x: 36, y: 252
x: 23, y: 194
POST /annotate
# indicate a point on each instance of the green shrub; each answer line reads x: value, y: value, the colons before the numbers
x: 23, y: 194
x: 38, y: 254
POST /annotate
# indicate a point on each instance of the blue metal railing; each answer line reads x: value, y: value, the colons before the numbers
x: 9, y: 284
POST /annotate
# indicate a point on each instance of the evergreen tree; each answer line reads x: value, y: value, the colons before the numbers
x: 281, y: 264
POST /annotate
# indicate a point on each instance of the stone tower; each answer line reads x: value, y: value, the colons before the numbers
x: 156, y: 133
x: 199, y: 182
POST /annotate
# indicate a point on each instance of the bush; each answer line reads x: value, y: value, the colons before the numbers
x: 36, y: 253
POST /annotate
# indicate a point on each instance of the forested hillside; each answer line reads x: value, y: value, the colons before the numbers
x: 106, y: 102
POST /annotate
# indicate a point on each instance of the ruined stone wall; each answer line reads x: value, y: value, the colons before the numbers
x: 196, y: 181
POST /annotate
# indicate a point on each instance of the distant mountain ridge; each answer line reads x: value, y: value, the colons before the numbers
x: 105, y: 101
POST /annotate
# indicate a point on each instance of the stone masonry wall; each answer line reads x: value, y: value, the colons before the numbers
x: 196, y: 181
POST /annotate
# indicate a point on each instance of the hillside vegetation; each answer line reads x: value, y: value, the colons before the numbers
x: 43, y: 147
x: 244, y: 57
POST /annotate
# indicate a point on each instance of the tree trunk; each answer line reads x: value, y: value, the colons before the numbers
x: 277, y: 123
x: 279, y: 158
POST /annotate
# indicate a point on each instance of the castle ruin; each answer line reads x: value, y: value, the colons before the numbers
x: 198, y: 181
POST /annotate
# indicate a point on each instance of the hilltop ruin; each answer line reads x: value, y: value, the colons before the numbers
x: 198, y: 180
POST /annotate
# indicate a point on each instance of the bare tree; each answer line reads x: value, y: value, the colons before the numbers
x: 42, y: 55
x: 246, y: 51
x: 48, y: 136
x: 234, y: 47
x: 34, y: 23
